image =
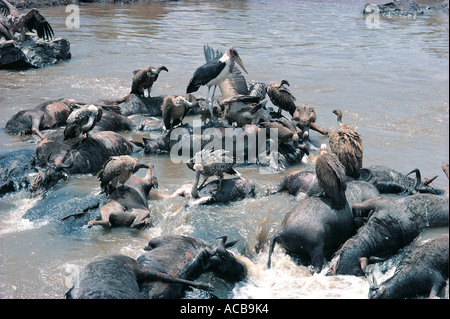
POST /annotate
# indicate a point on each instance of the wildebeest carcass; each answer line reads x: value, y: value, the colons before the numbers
x: 128, y: 205
x: 119, y: 277
x: 393, y: 224
x: 314, y: 230
x: 57, y: 158
x: 422, y: 272
x: 187, y: 258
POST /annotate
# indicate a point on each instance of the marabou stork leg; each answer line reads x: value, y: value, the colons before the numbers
x: 211, y: 105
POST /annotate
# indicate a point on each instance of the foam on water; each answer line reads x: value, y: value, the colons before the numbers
x: 16, y: 206
x: 287, y: 280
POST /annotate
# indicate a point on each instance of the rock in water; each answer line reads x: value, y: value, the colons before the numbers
x: 33, y: 52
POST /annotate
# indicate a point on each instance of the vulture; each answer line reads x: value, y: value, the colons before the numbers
x: 174, y: 109
x: 331, y: 177
x: 346, y: 143
x: 143, y: 79
x: 5, y: 30
x: 118, y: 169
x: 281, y: 97
x: 211, y: 163
x: 82, y: 120
x: 26, y: 22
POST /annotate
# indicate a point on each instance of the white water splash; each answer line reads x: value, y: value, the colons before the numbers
x: 287, y: 280
x: 12, y: 217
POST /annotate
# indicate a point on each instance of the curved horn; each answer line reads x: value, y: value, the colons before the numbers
x: 418, y: 177
x: 47, y: 161
x: 365, y: 174
x: 368, y: 271
x: 68, y: 163
x: 223, y: 240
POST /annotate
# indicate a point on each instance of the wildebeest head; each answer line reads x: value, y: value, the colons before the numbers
x: 50, y: 175
x: 224, y: 264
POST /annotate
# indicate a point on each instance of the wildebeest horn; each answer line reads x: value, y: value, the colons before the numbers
x: 224, y: 242
x: 368, y: 271
x: 47, y: 161
x: 418, y: 177
x: 67, y: 163
x: 366, y: 174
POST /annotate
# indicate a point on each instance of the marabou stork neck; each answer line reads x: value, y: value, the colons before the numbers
x: 213, y: 73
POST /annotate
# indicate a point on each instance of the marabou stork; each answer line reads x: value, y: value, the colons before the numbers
x: 22, y: 23
x: 82, y: 120
x: 346, y: 143
x: 143, y: 79
x: 213, y: 73
x: 242, y: 103
x: 118, y: 169
x: 331, y: 177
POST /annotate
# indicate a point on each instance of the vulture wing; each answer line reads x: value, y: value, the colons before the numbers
x: 35, y: 21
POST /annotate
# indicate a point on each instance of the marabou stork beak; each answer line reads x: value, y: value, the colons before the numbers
x: 241, y: 64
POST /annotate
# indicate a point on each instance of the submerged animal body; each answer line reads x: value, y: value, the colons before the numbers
x: 46, y: 115
x: 128, y: 207
x: 119, y: 277
x: 422, y: 272
x: 393, y: 224
x: 314, y: 230
x: 57, y: 157
x: 187, y: 258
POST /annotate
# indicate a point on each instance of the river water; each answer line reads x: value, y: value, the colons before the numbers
x: 391, y: 81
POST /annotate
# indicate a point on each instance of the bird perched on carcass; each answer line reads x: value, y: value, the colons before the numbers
x: 331, y: 177
x: 346, y: 143
x: 213, y: 73
x: 174, y: 109
x: 281, y: 97
x: 118, y: 169
x: 26, y: 22
x: 211, y: 163
x: 82, y: 120
x: 144, y: 79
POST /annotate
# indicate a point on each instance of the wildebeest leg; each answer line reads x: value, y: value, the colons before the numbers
x: 142, y: 218
x: 275, y: 239
x: 147, y: 274
x: 437, y: 286
x: 105, y: 213
x: 317, y: 258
